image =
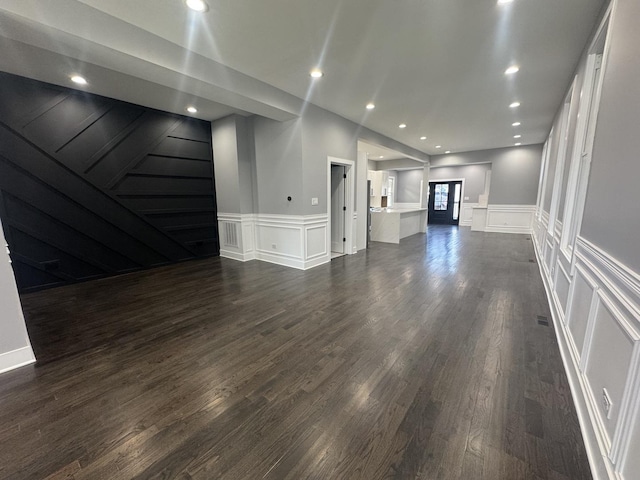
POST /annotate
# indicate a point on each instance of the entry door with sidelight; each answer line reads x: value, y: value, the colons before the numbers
x: 444, y: 202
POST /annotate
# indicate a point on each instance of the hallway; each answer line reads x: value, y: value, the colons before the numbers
x: 421, y: 360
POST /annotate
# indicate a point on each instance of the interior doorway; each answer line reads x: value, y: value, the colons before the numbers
x: 341, y: 201
x: 338, y: 209
x: 444, y: 202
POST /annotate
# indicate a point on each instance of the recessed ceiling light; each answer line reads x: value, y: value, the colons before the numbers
x: 316, y: 73
x: 370, y: 106
x: 517, y: 136
x: 516, y: 124
x: 504, y: 2
x: 192, y: 109
x: 438, y: 146
x: 518, y: 144
x: 512, y: 69
x: 197, y: 5
x: 514, y: 105
x: 448, y: 151
x: 381, y: 156
x: 79, y: 80
x: 402, y: 125
x: 423, y: 138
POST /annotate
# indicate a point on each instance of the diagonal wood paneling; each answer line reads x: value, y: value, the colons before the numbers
x: 91, y: 186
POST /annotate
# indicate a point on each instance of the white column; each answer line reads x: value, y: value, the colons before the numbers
x: 15, y: 348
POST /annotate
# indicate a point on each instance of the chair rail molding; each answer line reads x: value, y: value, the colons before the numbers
x: 510, y: 218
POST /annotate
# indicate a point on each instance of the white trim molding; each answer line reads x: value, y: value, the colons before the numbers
x: 237, y: 236
x: 466, y: 214
x: 297, y: 241
x: 510, y: 218
x: 16, y: 359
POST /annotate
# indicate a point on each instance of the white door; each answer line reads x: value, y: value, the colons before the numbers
x: 337, y: 208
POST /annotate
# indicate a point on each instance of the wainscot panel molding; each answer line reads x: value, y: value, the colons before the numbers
x: 16, y: 358
x: 237, y: 236
x: 510, y: 218
x: 297, y: 241
x: 466, y: 214
x: 595, y: 305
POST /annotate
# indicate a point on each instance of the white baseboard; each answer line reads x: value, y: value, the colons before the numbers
x: 16, y: 358
x: 234, y: 255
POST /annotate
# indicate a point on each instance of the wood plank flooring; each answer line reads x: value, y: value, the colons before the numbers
x: 423, y: 360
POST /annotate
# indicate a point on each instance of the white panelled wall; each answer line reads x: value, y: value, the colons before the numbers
x: 594, y: 297
x: 595, y: 302
x: 298, y: 241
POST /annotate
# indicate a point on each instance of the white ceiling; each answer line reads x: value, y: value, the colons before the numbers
x: 436, y: 65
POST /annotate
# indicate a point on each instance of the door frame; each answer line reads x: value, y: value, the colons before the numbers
x: 445, y: 180
x: 349, y: 193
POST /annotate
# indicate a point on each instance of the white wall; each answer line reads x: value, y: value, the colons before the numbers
x: 15, y: 348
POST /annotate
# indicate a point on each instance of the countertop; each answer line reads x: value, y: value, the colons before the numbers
x: 399, y: 210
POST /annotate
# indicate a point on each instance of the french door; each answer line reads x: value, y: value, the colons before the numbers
x: 444, y: 202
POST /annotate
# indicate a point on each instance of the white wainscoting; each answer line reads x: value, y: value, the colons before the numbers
x: 595, y: 304
x: 466, y: 213
x: 510, y: 218
x: 237, y: 236
x: 298, y: 241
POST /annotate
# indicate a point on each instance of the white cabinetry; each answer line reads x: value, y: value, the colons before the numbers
x: 379, y: 183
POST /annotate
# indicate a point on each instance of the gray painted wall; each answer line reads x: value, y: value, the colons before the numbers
x: 278, y: 157
x: 408, y: 186
x: 612, y: 217
x: 324, y: 134
x: 399, y: 163
x: 474, y: 178
x: 327, y: 134
x: 232, y: 143
x: 291, y: 158
x: 246, y: 164
x: 225, y: 156
x: 515, y: 172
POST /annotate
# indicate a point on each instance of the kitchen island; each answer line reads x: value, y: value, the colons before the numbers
x: 390, y: 225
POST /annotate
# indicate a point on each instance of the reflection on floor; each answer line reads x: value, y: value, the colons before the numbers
x: 418, y: 360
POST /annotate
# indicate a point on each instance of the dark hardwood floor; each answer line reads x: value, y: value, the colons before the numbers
x: 419, y: 361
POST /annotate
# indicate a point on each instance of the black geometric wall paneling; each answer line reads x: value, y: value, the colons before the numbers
x: 91, y: 186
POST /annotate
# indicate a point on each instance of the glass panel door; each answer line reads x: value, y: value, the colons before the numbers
x: 456, y: 202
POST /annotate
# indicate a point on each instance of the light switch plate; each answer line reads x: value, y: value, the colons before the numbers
x: 314, y: 201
